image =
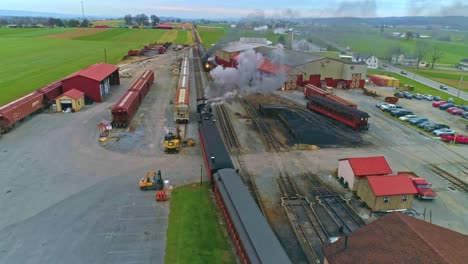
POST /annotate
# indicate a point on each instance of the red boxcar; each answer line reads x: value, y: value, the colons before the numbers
x: 310, y: 89
x: 51, y: 92
x: 134, y: 53
x: 340, y: 100
x: 15, y: 111
x: 124, y: 110
x: 148, y: 76
x: 143, y: 84
x: 378, y: 80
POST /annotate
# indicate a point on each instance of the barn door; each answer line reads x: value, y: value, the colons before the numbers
x: 356, y: 77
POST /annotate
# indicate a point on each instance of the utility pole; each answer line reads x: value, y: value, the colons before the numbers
x: 82, y: 10
x: 105, y: 55
x: 459, y: 85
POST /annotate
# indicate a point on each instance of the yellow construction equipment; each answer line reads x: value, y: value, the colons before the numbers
x: 171, y: 143
x: 149, y: 182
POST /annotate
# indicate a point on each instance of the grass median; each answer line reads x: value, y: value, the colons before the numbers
x: 194, y: 233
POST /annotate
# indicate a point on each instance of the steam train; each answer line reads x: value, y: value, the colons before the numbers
x: 252, y: 236
x: 207, y: 62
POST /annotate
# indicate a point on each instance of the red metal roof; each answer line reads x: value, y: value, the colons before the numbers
x: 73, y: 93
x: 268, y: 66
x: 368, y: 166
x: 97, y: 72
x: 391, y: 185
x: 398, y: 238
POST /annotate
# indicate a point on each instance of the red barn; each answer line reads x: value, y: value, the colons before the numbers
x: 94, y: 81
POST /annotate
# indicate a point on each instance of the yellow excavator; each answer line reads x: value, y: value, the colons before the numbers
x: 149, y: 182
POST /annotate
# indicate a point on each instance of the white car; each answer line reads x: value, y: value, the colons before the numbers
x: 444, y: 131
x: 407, y: 117
x: 428, y: 97
x: 380, y: 104
x: 387, y: 107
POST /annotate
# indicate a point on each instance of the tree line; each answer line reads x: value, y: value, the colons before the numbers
x: 44, y: 21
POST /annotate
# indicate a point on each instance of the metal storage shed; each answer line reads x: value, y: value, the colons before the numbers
x: 94, y: 81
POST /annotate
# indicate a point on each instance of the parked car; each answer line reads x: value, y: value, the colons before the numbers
x: 438, y: 103
x: 388, y: 107
x: 380, y: 104
x: 460, y: 138
x: 465, y: 115
x: 416, y: 121
x: 403, y: 72
x: 401, y: 113
x: 408, y: 96
x: 428, y: 97
x: 406, y: 117
x: 435, y: 127
x: 424, y: 188
x: 445, y: 106
x: 417, y: 96
x: 456, y: 111
x: 399, y: 95
x: 444, y: 131
x: 450, y: 100
x: 425, y: 123
x: 464, y: 107
x: 443, y: 87
x: 437, y: 98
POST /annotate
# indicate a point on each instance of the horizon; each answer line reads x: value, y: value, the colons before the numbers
x: 208, y: 9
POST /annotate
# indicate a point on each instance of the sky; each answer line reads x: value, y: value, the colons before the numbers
x: 243, y: 8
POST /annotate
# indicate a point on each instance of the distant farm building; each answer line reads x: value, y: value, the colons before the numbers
x: 95, y: 81
x: 387, y: 193
x: 463, y: 65
x: 371, y: 61
x: 398, y: 238
x: 164, y: 26
x: 353, y: 170
x: 406, y: 60
x: 301, y: 68
x: 73, y: 99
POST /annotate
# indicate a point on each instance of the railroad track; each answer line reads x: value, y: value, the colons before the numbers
x: 456, y: 182
x: 271, y: 141
x: 227, y: 129
x: 343, y: 215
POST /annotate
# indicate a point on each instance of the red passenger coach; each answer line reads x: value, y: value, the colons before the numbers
x: 350, y: 116
x: 17, y: 110
x: 124, y: 110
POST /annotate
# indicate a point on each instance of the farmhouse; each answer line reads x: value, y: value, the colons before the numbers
x: 73, y: 99
x: 94, y: 81
x: 387, y: 193
x: 371, y: 61
x: 353, y: 170
x: 463, y: 65
x: 406, y: 60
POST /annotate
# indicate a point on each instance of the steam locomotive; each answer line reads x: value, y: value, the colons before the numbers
x: 207, y: 62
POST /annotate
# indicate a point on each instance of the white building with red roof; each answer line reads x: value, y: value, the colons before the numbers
x: 353, y: 170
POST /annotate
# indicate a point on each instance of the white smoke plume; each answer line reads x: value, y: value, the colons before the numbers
x: 246, y: 78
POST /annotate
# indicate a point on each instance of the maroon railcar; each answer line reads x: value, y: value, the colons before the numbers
x: 17, y: 110
x: 143, y: 84
x: 124, y: 110
x: 148, y: 76
x: 310, y: 90
x: 51, y: 91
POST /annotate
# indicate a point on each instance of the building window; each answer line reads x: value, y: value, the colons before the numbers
x: 405, y: 197
x: 352, y: 67
x: 386, y: 199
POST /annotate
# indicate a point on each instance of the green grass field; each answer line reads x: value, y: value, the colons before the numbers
x: 210, y: 36
x: 451, y: 78
x: 367, y: 39
x: 31, y: 59
x: 110, y: 23
x: 418, y: 87
x: 194, y: 234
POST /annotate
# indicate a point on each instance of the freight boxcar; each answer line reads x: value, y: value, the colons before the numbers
x: 310, y: 89
x: 143, y: 84
x: 341, y: 100
x: 350, y: 116
x: 51, y: 92
x: 124, y: 110
x: 17, y: 110
x: 148, y: 76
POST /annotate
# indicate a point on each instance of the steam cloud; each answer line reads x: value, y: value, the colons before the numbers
x: 247, y: 78
x: 366, y: 8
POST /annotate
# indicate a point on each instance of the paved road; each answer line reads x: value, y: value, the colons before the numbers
x: 436, y: 85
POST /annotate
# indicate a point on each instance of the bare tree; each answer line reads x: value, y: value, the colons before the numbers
x: 421, y: 50
x: 435, y: 56
x: 128, y: 19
